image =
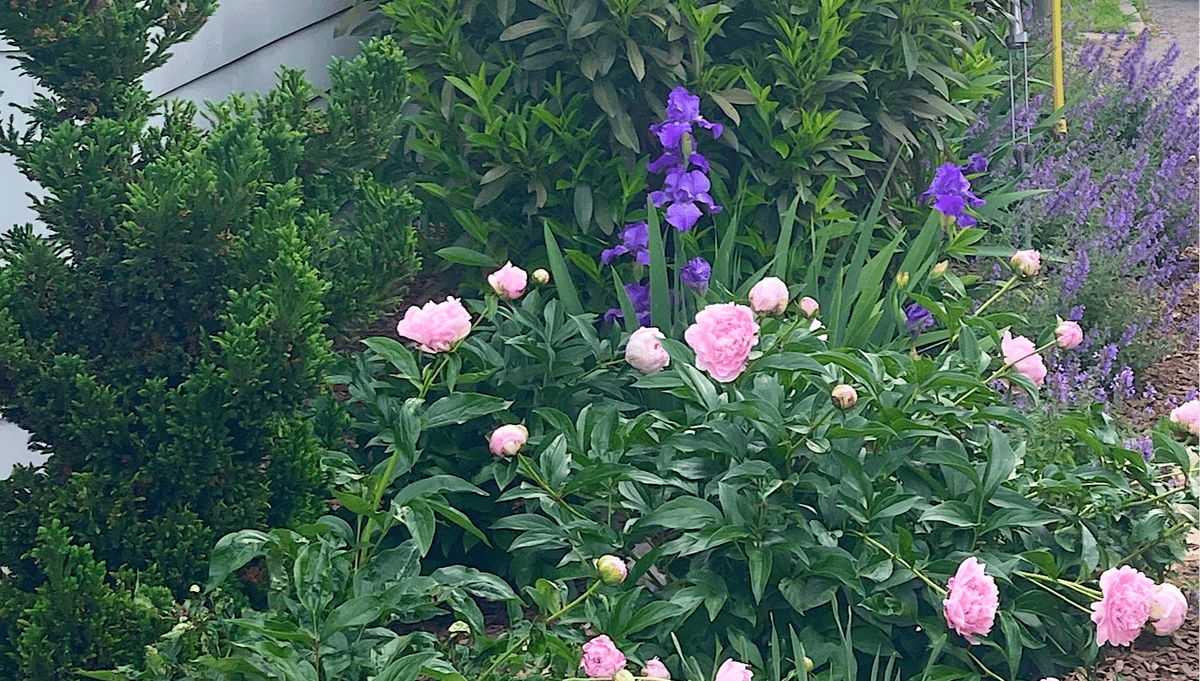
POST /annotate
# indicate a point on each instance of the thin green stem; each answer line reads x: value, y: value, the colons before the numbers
x: 1168, y: 533
x: 525, y: 639
x: 937, y: 589
x: 995, y: 296
x: 1060, y: 596
x: 1086, y: 591
x: 983, y: 666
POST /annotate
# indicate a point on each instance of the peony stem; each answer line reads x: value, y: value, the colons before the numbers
x: 1076, y: 586
x: 983, y: 666
x: 525, y: 639
x: 939, y: 590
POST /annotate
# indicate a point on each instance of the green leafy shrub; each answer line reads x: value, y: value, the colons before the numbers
x: 164, y: 340
x: 533, y: 111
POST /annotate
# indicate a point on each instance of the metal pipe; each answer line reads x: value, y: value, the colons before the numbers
x: 1056, y: 38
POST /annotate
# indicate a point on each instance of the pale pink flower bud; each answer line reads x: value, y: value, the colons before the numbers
x: 623, y: 675
x: 769, y: 296
x: 1124, y: 606
x: 655, y: 669
x: 809, y: 306
x: 436, y: 327
x: 508, y: 440
x: 612, y: 570
x: 645, y: 352
x: 601, y: 659
x: 509, y: 281
x: 1168, y: 609
x: 1187, y: 416
x: 808, y: 664
x: 541, y: 277
x: 971, y: 601
x: 1068, y: 335
x: 1021, y: 353
x: 722, y: 337
x: 843, y: 396
x: 1027, y: 263
x: 732, y: 670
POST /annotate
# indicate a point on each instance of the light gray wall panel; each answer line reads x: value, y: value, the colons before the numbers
x: 236, y: 29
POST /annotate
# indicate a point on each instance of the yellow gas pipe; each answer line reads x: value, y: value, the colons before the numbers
x: 1060, y: 126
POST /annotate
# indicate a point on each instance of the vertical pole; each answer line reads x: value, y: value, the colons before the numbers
x: 1056, y: 37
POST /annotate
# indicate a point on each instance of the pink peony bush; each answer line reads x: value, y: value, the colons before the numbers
x: 722, y: 337
x: 601, y: 659
x: 972, y: 600
x: 509, y: 281
x: 1124, y: 607
x: 1021, y: 354
x: 436, y: 327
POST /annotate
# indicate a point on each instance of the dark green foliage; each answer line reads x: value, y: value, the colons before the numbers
x: 94, y: 622
x: 534, y: 110
x: 164, y: 340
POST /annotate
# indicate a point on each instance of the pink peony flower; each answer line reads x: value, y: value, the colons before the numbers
x: 509, y: 281
x: 732, y: 670
x: 1187, y: 416
x: 436, y: 327
x: 970, y: 606
x: 1027, y: 263
x: 508, y: 440
x: 1068, y: 335
x: 1168, y: 609
x: 612, y: 570
x: 644, y: 352
x: 809, y: 306
x: 1124, y: 607
x: 722, y: 338
x: 601, y: 659
x: 655, y: 669
x: 769, y: 296
x: 1021, y: 353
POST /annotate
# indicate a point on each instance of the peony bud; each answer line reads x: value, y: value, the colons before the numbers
x: 902, y: 279
x: 1027, y: 263
x: 645, y: 352
x: 769, y: 296
x: 623, y: 675
x: 508, y: 440
x: 612, y: 570
x: 808, y: 663
x: 1168, y: 609
x: 1068, y: 335
x: 809, y: 307
x: 655, y: 669
x: 509, y: 281
x: 940, y: 268
x: 541, y: 277
x: 844, y: 396
x: 195, y: 588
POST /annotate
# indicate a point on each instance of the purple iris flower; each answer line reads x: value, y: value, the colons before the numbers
x: 951, y: 192
x: 976, y: 163
x: 635, y: 239
x: 639, y: 295
x: 695, y: 275
x: 683, y: 187
x: 917, y: 318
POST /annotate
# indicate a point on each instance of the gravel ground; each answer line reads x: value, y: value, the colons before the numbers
x: 1175, y: 21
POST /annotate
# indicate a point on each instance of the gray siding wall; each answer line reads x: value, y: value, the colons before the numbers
x: 240, y: 49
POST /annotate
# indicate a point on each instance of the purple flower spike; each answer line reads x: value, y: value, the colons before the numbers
x: 951, y: 192
x: 695, y: 275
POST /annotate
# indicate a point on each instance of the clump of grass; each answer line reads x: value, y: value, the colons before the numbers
x: 1098, y: 16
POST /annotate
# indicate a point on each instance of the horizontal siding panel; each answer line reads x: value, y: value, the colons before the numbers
x: 238, y: 28
x: 309, y: 49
